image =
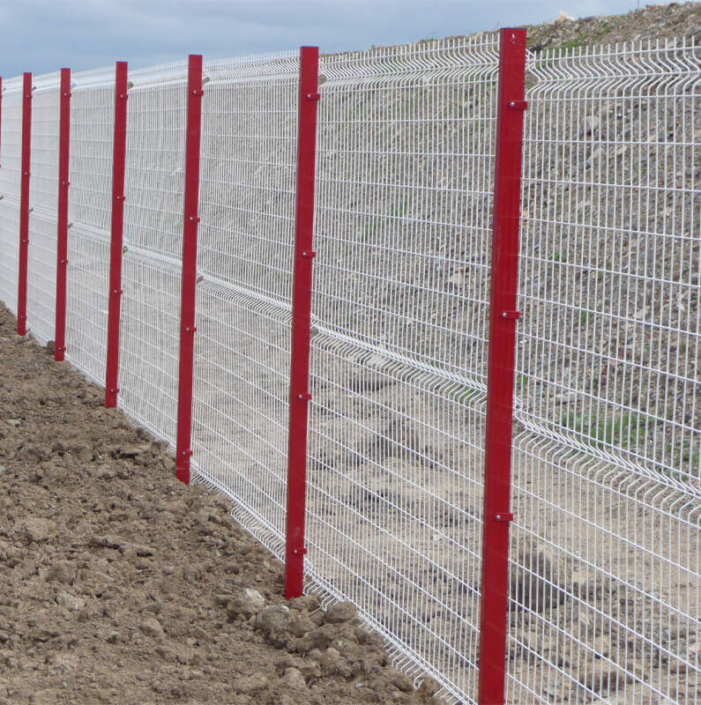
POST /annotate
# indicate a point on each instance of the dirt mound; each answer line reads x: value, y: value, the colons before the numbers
x: 119, y: 584
x: 650, y: 23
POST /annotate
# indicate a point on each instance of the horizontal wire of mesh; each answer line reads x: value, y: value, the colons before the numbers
x: 248, y: 171
x: 150, y: 343
x: 241, y: 407
x: 9, y: 253
x: 606, y: 589
x: 11, y: 140
x: 46, y: 101
x: 91, y: 152
x: 157, y: 114
x: 41, y: 277
x: 87, y: 302
x: 399, y: 353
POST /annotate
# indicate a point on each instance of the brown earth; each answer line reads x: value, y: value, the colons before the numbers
x: 119, y: 584
x: 652, y: 22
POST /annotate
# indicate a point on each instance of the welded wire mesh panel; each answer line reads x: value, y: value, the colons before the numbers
x: 249, y: 142
x: 41, y: 279
x: 242, y: 364
x: 87, y: 302
x: 150, y: 335
x: 9, y: 252
x: 606, y: 591
x: 92, y: 145
x: 406, y: 159
x: 246, y: 237
x: 45, y: 142
x: 157, y: 113
x: 11, y: 139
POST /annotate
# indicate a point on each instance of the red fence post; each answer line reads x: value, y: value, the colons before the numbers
x: 62, y: 233
x: 115, y: 293
x: 189, y: 270
x: 301, y: 320
x: 24, y: 204
x: 502, y: 347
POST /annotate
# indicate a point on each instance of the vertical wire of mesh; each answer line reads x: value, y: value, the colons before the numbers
x: 43, y: 202
x: 151, y: 265
x: 90, y: 202
x: 606, y: 586
x: 246, y: 237
x: 10, y: 177
x: 399, y: 353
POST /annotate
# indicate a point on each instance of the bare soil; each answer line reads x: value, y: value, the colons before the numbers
x: 119, y: 584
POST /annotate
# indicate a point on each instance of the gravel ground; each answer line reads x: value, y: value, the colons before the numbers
x: 120, y: 584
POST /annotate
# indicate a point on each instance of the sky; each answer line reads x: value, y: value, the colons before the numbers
x: 44, y: 35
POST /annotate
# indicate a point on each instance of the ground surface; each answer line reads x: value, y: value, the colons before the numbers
x: 119, y: 584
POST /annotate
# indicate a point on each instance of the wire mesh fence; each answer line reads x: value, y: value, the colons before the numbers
x: 406, y: 167
x: 605, y: 586
x: 607, y: 486
x: 242, y: 351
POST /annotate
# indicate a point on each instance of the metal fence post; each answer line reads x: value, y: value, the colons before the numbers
x: 301, y: 320
x: 189, y: 267
x: 62, y: 232
x: 502, y: 346
x: 24, y: 204
x: 115, y: 293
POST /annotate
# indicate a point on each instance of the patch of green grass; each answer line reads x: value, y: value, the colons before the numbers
x: 624, y: 432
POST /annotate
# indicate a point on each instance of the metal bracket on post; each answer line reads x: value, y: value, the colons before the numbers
x: 500, y: 379
x: 116, y: 245
x: 62, y: 221
x: 301, y: 322
x: 189, y: 268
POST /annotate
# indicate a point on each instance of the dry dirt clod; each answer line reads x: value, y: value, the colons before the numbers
x: 247, y: 603
x: 152, y: 627
x: 340, y: 612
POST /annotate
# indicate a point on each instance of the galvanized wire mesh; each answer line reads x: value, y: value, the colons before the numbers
x: 11, y: 139
x: 9, y: 252
x: 46, y: 100
x: 92, y: 144
x: 406, y: 161
x: 150, y: 333
x: 87, y: 304
x: 90, y: 202
x: 242, y: 349
x: 43, y: 201
x: 605, y: 575
x: 10, y: 178
x: 154, y: 182
x: 41, y: 280
x: 249, y: 141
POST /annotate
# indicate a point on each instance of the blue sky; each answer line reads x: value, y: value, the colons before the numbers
x: 44, y: 35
